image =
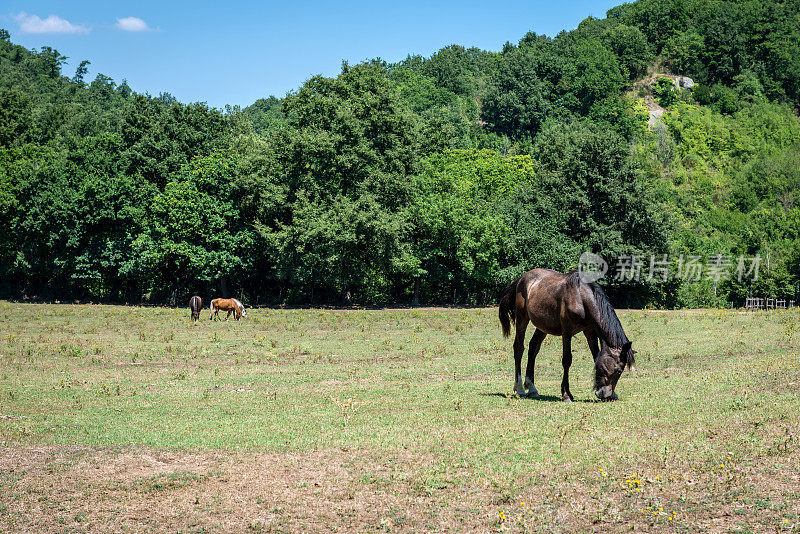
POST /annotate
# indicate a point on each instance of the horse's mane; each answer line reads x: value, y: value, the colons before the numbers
x: 605, y: 316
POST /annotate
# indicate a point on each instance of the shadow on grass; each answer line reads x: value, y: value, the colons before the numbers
x: 544, y: 398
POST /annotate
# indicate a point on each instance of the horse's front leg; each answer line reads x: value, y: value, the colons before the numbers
x: 519, y: 347
x: 533, y: 350
x: 591, y: 339
x: 566, y: 362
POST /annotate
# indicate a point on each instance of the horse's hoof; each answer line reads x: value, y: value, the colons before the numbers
x: 566, y: 399
x: 533, y: 394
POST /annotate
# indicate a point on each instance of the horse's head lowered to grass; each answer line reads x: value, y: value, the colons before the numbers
x: 242, y: 312
x: 608, y: 368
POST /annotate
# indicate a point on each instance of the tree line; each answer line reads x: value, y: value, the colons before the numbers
x: 433, y: 180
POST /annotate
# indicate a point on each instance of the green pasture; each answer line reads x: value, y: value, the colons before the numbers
x: 714, y: 397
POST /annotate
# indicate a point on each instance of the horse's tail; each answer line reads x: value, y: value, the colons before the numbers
x: 507, y: 312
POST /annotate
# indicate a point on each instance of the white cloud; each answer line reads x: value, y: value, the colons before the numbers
x: 131, y: 24
x: 52, y: 24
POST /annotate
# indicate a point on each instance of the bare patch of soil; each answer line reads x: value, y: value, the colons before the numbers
x: 90, y: 489
x: 84, y: 489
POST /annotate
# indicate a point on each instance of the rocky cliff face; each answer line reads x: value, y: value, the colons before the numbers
x: 646, y: 85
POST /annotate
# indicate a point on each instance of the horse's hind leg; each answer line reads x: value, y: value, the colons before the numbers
x: 519, y: 347
x: 566, y: 362
x: 533, y: 350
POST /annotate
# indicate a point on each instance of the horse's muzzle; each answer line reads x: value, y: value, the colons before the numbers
x: 606, y: 393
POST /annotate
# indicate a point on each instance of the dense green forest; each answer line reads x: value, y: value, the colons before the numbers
x: 434, y: 179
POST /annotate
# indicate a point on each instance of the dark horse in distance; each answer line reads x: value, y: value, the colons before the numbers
x: 195, y: 304
x: 563, y: 305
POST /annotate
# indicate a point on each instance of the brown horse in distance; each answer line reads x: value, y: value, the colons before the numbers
x: 563, y: 305
x: 229, y: 305
x: 195, y: 305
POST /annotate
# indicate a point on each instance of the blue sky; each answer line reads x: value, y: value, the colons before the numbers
x: 236, y: 53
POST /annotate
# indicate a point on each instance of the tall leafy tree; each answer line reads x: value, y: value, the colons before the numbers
x: 193, y: 233
x: 349, y: 147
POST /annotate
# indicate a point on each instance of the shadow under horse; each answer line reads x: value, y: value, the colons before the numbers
x: 563, y: 305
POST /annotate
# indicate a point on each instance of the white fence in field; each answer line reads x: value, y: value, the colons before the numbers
x: 758, y: 303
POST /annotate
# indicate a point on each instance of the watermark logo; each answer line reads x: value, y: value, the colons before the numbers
x: 662, y: 268
x: 591, y: 267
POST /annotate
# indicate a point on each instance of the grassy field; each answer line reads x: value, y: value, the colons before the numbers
x: 125, y: 418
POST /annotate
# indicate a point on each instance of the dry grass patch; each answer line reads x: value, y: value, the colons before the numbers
x: 85, y: 489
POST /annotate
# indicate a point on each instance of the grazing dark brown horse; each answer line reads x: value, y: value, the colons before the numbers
x: 195, y: 304
x: 229, y: 305
x: 563, y: 305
